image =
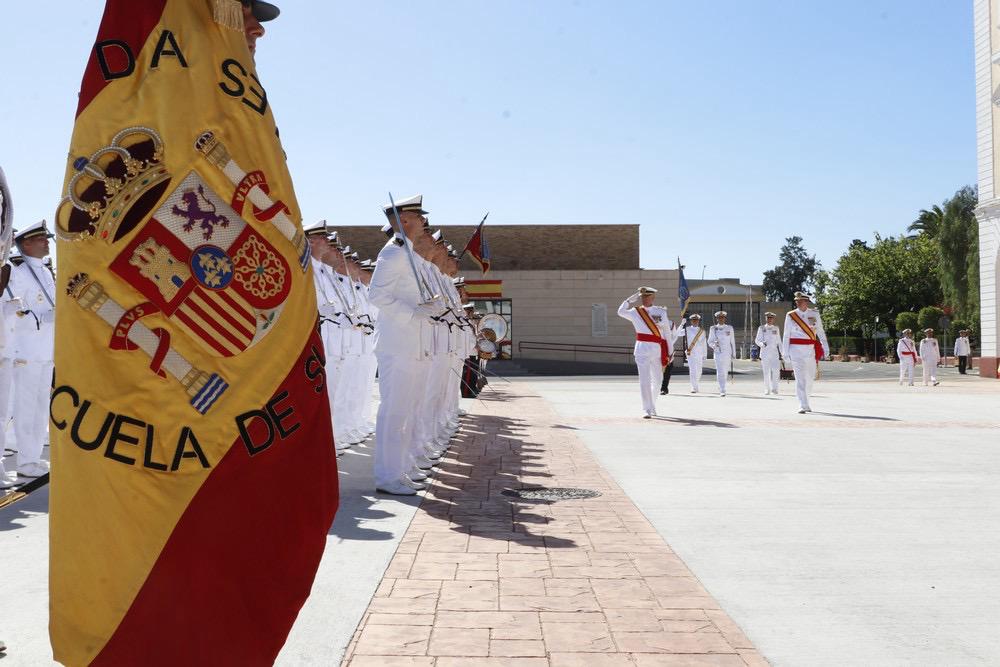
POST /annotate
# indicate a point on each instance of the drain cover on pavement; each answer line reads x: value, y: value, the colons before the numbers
x: 552, y: 494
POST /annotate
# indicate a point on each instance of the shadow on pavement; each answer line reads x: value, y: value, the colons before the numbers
x: 843, y: 416
x: 488, y: 456
x: 358, y: 500
x: 695, y: 422
x: 36, y: 502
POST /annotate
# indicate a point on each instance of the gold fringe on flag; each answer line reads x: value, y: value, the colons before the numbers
x: 229, y: 14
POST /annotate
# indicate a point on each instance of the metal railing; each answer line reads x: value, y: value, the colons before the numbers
x: 575, y: 348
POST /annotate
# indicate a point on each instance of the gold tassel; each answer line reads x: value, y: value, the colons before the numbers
x: 229, y: 14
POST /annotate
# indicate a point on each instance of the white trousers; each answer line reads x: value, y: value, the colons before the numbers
x: 32, y: 387
x: 650, y: 380
x: 6, y: 381
x: 770, y: 368
x: 423, y: 405
x: 930, y: 371
x: 804, y: 365
x: 347, y: 389
x: 399, y: 377
x: 695, y: 364
x: 722, y: 365
x: 906, y: 369
x: 371, y: 367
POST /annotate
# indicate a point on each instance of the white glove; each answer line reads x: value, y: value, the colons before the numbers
x: 327, y: 310
x: 683, y: 321
x: 634, y: 300
x: 432, y: 309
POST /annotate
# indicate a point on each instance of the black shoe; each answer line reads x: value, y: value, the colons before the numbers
x: 664, y: 392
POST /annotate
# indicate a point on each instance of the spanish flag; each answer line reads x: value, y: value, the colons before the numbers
x: 194, y: 476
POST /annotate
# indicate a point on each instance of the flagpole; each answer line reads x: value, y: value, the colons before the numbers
x: 478, y: 229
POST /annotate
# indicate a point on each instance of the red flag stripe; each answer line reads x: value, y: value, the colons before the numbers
x: 237, y: 307
x: 124, y: 20
x: 202, y: 334
x: 205, y: 299
x: 195, y: 601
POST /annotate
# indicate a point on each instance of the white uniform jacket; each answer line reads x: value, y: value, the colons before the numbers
x: 930, y: 353
x: 394, y: 292
x: 768, y: 340
x: 793, y: 331
x: 658, y: 314
x: 33, y: 284
x: 697, y: 345
x: 722, y: 340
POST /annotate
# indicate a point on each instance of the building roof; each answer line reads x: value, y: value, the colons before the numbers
x: 528, y: 247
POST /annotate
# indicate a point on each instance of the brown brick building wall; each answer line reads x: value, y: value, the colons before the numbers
x: 529, y: 247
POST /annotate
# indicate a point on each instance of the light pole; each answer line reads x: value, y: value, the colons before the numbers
x: 703, y: 271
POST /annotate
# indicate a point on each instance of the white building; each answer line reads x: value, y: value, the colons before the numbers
x: 987, y: 32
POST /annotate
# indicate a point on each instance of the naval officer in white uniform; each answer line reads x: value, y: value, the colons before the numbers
x: 34, y: 285
x: 722, y: 340
x: 652, y: 341
x: 696, y: 350
x: 768, y: 339
x: 402, y: 313
x: 804, y: 343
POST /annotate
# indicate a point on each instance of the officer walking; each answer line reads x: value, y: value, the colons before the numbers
x: 804, y: 343
x: 930, y: 355
x: 963, y: 350
x: 652, y: 343
x: 906, y: 350
x: 696, y: 351
x: 769, y: 341
x: 722, y: 340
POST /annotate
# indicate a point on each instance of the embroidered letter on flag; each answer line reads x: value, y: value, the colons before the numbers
x: 194, y: 477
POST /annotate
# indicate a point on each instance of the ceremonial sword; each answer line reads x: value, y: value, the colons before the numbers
x: 427, y: 298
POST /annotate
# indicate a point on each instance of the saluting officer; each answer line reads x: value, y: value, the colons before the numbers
x: 722, y: 340
x: 804, y: 343
x: 652, y: 352
x: 697, y: 350
x: 768, y: 339
x: 33, y: 284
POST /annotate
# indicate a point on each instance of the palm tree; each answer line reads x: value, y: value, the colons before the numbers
x: 928, y: 222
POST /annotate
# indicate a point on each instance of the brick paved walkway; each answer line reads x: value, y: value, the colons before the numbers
x: 484, y: 579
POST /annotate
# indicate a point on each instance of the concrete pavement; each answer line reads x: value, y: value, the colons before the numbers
x: 863, y: 534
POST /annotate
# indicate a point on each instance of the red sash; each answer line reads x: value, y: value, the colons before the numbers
x: 647, y: 338
x: 911, y: 353
x: 807, y: 330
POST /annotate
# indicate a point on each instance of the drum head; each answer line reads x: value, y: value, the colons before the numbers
x: 495, y: 323
x: 487, y: 348
x: 490, y: 334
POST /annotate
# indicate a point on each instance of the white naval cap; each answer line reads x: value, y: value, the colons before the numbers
x: 468, y: 306
x: 928, y: 330
x: 458, y: 281
x: 721, y: 313
x: 438, y: 237
x: 414, y: 203
x: 38, y: 229
x: 906, y: 331
x: 346, y: 250
x: 647, y: 290
x: 802, y: 295
x: 695, y: 316
x: 316, y: 228
x: 769, y: 315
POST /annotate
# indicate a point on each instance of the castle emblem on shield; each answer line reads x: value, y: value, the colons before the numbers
x: 225, y: 294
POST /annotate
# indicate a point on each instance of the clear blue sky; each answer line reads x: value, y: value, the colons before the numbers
x: 720, y: 127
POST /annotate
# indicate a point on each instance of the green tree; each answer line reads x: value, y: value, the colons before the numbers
x: 907, y: 320
x: 958, y: 249
x: 892, y: 276
x: 796, y: 273
x: 927, y: 222
x: 929, y: 318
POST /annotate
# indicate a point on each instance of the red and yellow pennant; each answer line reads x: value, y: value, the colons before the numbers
x: 194, y: 477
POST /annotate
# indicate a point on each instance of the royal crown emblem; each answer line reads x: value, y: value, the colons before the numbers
x: 115, y: 188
